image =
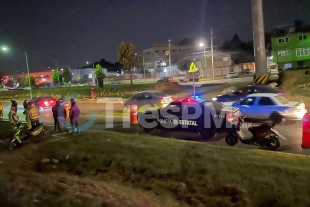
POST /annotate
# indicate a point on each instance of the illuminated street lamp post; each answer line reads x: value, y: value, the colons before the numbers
x: 6, y: 49
x: 93, y: 72
x: 204, y: 55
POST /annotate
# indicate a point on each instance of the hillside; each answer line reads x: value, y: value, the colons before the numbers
x: 296, y: 84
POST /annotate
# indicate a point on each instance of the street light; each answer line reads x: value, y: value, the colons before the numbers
x: 93, y: 74
x: 205, y: 58
x: 6, y: 49
x: 169, y: 57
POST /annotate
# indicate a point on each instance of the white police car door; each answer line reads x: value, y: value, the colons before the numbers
x: 247, y: 107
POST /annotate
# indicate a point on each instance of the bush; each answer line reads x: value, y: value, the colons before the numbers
x: 83, y: 92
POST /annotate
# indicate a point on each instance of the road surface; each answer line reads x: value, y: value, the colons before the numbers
x: 100, y: 116
x: 232, y: 80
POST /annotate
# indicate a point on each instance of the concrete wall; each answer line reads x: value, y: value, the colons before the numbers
x: 220, y: 71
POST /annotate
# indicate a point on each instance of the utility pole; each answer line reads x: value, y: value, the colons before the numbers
x: 205, y: 58
x: 169, y: 57
x: 259, y: 38
x: 143, y: 68
x: 212, y: 53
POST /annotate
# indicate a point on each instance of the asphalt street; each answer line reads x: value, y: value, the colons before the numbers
x: 101, y: 116
x: 221, y: 81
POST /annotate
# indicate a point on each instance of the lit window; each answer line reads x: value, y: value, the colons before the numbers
x: 284, y: 52
x: 225, y: 59
x: 303, y: 51
x: 302, y: 37
x: 283, y: 40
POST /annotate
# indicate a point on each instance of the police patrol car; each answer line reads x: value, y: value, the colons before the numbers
x: 194, y: 115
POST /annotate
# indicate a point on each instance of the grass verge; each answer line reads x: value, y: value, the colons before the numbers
x: 178, y: 173
x: 83, y: 92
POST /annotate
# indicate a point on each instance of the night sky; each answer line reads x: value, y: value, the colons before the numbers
x: 76, y: 31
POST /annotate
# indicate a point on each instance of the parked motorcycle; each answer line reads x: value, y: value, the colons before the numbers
x: 263, y: 135
x: 35, y: 135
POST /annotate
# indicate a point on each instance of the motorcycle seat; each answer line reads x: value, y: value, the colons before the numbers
x: 260, y: 128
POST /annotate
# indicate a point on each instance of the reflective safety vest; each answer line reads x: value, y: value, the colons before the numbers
x: 1, y: 106
x: 11, y: 120
x: 33, y: 113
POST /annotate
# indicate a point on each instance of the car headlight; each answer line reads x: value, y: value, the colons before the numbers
x: 214, y: 99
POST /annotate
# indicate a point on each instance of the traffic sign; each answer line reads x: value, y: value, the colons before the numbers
x: 192, y: 68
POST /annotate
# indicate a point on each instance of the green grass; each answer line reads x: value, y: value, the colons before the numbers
x: 177, y: 173
x: 125, y: 91
x: 296, y: 84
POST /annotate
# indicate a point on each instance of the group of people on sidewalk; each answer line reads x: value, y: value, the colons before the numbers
x: 60, y: 115
x: 32, y: 115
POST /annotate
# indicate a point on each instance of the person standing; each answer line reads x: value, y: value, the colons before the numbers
x: 74, y: 117
x: 62, y: 115
x: 55, y: 110
x: 14, y: 104
x: 34, y: 115
x: 15, y: 125
x: 1, y: 110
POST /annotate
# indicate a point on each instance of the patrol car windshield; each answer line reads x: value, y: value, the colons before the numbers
x: 217, y: 106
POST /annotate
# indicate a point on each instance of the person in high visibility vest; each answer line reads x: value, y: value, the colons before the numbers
x: 16, y: 125
x: 1, y: 110
x: 34, y: 115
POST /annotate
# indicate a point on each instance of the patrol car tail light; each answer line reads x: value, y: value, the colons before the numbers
x: 229, y: 117
x: 162, y: 100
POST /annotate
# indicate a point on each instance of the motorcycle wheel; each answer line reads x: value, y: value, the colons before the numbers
x: 274, y: 143
x: 231, y: 140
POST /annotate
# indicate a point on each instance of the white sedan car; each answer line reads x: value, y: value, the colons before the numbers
x: 232, y: 75
x: 261, y: 106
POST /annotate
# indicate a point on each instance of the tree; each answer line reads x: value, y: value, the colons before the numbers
x: 99, y: 75
x: 32, y: 81
x: 56, y: 77
x: 10, y: 83
x: 85, y: 79
x: 298, y: 25
x: 67, y: 75
x: 184, y: 64
x: 128, y: 59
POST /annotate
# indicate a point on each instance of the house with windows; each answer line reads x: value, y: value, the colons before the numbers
x: 157, y: 56
x: 291, y: 51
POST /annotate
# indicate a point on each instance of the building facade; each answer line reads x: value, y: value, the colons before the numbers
x: 222, y: 63
x: 158, y: 56
x: 291, y: 51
